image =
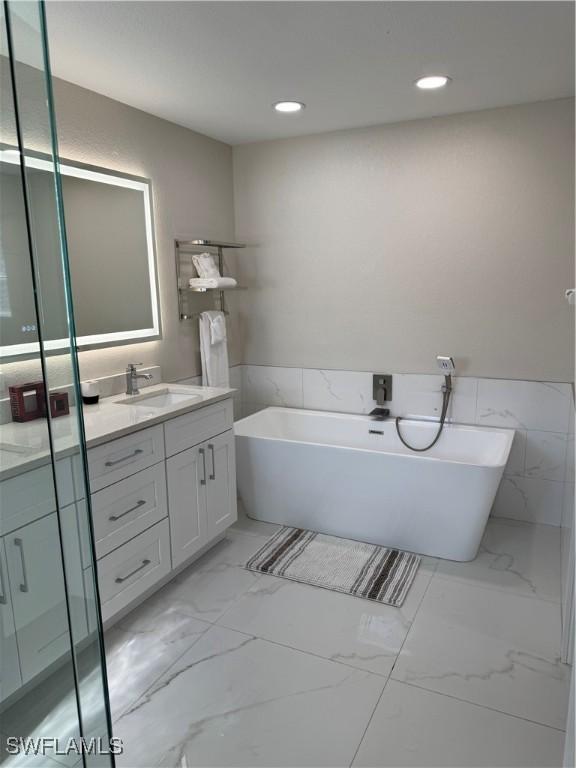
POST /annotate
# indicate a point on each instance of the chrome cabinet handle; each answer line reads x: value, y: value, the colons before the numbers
x: 139, y: 503
x: 3, y: 598
x: 120, y: 579
x: 119, y: 461
x: 213, y: 475
x: 20, y: 544
x: 202, y: 453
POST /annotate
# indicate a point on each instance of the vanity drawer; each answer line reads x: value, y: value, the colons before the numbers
x: 186, y: 431
x: 29, y: 496
x: 120, y: 458
x: 127, y: 508
x: 133, y: 568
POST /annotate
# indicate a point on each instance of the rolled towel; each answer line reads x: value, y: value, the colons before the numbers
x: 212, y: 282
x: 205, y: 265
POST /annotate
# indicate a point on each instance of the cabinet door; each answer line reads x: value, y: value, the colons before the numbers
x: 221, y: 509
x: 38, y: 598
x: 10, y: 678
x: 187, y: 478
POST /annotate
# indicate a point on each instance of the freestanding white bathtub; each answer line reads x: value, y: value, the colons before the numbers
x: 350, y: 476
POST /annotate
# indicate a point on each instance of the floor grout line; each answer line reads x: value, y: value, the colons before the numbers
x: 201, y: 635
x: 365, y: 731
x: 306, y: 653
x: 116, y: 717
x: 476, y: 704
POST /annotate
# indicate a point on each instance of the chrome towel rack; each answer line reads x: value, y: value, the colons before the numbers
x: 184, y: 250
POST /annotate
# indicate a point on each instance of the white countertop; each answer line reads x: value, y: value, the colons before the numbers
x: 24, y: 446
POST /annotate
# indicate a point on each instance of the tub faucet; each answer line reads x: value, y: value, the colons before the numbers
x: 381, y: 392
x: 132, y: 377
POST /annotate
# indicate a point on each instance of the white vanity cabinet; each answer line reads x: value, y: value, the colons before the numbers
x: 201, y: 495
x: 159, y: 496
x: 129, y: 507
x: 221, y: 508
x: 38, y: 597
x: 33, y: 610
x: 201, y: 479
x: 132, y: 569
x: 186, y: 474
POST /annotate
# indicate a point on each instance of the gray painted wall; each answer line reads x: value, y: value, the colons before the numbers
x: 376, y: 249
x: 192, y: 188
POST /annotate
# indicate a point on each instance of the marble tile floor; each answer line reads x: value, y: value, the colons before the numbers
x: 227, y: 668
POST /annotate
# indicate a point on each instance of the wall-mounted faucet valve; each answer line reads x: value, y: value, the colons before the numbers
x: 381, y: 388
x: 382, y: 393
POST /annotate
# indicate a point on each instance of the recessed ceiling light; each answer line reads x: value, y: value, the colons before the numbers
x: 430, y: 82
x: 289, y: 107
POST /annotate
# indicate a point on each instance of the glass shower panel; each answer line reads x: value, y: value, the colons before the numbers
x: 53, y: 672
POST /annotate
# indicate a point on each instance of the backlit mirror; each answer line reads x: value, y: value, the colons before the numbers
x: 110, y: 235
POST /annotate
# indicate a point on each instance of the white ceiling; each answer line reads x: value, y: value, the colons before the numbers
x: 217, y: 67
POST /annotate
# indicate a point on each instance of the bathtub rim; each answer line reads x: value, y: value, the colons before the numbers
x: 507, y: 432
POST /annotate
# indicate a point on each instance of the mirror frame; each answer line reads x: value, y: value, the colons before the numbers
x: 10, y: 154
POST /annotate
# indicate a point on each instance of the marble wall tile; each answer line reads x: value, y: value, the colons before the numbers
x: 412, y: 394
x: 545, y: 455
x: 249, y: 408
x: 340, y: 391
x: 517, y: 459
x: 533, y: 409
x: 523, y: 404
x: 272, y: 385
x: 236, y: 379
x: 530, y: 499
x: 421, y: 395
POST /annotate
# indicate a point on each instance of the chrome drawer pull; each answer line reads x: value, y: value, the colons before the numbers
x: 20, y: 544
x: 120, y: 579
x: 139, y: 503
x: 119, y: 461
x: 213, y: 475
x: 3, y: 598
x: 202, y: 453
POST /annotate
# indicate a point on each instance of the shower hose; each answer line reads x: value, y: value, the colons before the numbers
x: 446, y: 392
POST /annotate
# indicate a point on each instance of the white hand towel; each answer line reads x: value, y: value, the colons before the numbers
x: 205, y: 265
x: 212, y: 282
x: 215, y: 372
x: 217, y: 328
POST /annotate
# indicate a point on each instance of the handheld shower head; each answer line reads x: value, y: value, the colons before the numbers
x: 445, y: 364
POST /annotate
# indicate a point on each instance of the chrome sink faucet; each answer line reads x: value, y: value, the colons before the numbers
x: 132, y: 377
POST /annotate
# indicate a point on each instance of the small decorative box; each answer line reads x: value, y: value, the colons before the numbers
x: 59, y: 404
x: 27, y: 401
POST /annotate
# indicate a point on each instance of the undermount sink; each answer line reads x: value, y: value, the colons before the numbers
x: 161, y: 398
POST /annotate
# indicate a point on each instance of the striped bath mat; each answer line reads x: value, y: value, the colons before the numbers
x: 364, y: 570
